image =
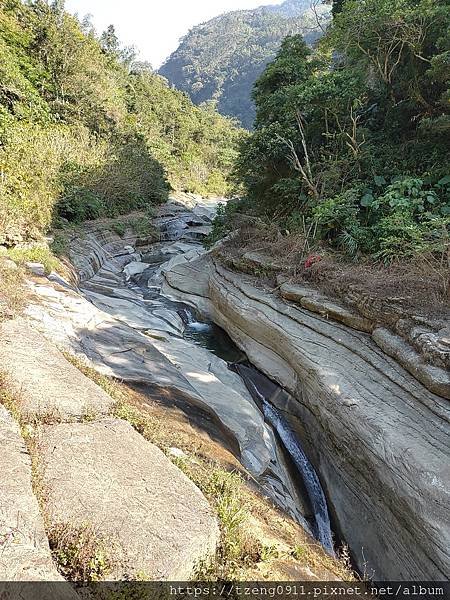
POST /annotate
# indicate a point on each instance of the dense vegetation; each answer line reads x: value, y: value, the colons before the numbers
x: 220, y: 60
x: 85, y: 131
x: 351, y: 144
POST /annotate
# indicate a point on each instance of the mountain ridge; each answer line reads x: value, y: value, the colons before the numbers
x: 219, y: 60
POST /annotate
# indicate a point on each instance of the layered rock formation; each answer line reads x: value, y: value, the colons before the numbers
x: 25, y: 553
x: 92, y: 472
x: 139, y: 340
x: 378, y: 437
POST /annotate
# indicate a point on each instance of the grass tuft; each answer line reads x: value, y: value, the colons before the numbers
x: 38, y: 254
x: 12, y: 292
x: 80, y: 553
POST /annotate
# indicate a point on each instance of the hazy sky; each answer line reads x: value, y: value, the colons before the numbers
x: 154, y: 27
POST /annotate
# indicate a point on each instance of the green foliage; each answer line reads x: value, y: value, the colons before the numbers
x: 119, y: 228
x: 84, y: 134
x: 220, y: 227
x: 220, y: 60
x: 36, y: 254
x: 80, y: 554
x: 351, y: 140
x: 196, y: 145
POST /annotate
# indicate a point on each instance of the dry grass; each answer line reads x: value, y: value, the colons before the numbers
x: 111, y: 386
x: 12, y: 292
x: 420, y: 286
x: 80, y: 553
x: 258, y: 541
x: 11, y: 400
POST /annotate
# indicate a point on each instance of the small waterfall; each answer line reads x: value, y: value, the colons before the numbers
x: 309, y: 476
x: 304, y: 466
x: 186, y: 316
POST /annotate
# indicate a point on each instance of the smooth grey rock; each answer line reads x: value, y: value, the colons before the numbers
x: 153, y: 520
x: 134, y: 268
x: 138, y: 341
x: 314, y: 301
x: 189, y: 283
x: 24, y: 550
x: 36, y: 268
x: 198, y: 232
x: 380, y: 439
x: 46, y: 384
x: 434, y: 378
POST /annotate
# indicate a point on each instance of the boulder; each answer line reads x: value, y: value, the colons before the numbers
x: 134, y: 268
x: 45, y: 383
x: 24, y: 550
x: 152, y: 520
x: 36, y: 268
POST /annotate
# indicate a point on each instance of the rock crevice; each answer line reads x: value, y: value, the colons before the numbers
x: 379, y: 438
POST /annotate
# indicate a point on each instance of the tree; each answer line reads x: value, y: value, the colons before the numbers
x: 109, y: 41
x: 351, y: 139
x: 337, y: 7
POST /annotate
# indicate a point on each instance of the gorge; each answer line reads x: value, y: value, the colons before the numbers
x: 353, y: 408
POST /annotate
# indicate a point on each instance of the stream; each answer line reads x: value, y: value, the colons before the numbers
x: 177, y: 330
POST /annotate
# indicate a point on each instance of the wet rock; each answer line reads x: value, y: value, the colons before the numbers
x: 139, y: 342
x: 153, y: 258
x: 379, y: 438
x: 153, y: 520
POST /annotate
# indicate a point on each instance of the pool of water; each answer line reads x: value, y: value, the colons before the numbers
x: 211, y: 337
x: 208, y: 335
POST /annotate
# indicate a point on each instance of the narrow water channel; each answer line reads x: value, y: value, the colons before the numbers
x: 209, y: 336
x: 216, y: 370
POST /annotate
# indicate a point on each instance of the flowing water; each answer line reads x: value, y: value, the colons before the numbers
x: 289, y: 477
x: 211, y: 337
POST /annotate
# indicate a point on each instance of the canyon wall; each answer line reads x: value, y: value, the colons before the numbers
x: 378, y: 437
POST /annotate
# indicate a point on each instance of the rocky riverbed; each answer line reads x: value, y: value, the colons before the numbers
x: 379, y: 438
x: 333, y: 415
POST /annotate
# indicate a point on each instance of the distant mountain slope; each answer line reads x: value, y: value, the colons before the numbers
x: 221, y: 59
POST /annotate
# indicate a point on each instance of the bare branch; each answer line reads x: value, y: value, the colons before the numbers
x: 304, y: 170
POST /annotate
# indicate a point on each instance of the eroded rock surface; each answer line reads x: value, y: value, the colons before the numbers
x: 24, y: 550
x: 154, y: 521
x: 139, y: 341
x: 379, y: 438
x: 44, y: 383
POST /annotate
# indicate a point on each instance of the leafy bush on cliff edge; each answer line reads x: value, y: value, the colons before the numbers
x: 353, y: 138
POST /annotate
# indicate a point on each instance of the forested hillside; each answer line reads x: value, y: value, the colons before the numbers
x: 85, y: 131
x: 220, y: 60
x: 351, y: 144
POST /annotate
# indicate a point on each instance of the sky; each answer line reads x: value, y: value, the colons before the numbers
x: 155, y: 27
